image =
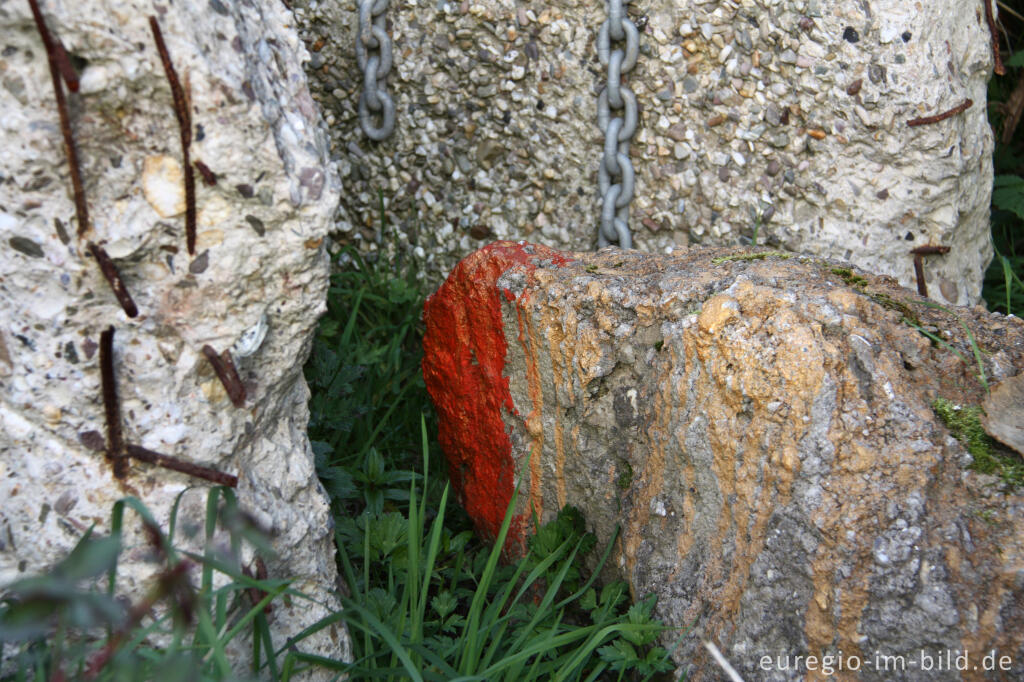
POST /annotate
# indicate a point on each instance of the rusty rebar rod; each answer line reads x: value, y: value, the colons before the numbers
x: 209, y: 177
x: 925, y: 120
x: 174, y: 464
x: 919, y: 253
x: 224, y: 366
x: 994, y: 32
x: 184, y: 116
x: 113, y: 278
x: 111, y: 406
x: 59, y: 62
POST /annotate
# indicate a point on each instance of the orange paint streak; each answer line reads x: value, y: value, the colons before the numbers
x: 534, y: 420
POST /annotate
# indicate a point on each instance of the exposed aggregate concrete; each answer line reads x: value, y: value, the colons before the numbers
x: 780, y: 119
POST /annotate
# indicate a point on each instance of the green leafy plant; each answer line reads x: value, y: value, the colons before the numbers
x: 1008, y: 194
x: 1004, y: 288
x: 367, y: 389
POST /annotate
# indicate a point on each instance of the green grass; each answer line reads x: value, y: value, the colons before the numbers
x: 976, y: 351
x: 428, y: 600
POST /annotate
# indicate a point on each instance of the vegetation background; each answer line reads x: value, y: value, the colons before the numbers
x: 1004, y: 288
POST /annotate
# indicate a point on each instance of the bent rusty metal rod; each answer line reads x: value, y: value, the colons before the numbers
x: 919, y: 253
x: 112, y: 406
x: 991, y: 21
x: 118, y: 453
x: 60, y: 68
x: 59, y: 63
x: 113, y: 278
x: 167, y: 462
x: 224, y: 366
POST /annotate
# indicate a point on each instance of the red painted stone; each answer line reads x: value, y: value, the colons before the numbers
x: 463, y: 366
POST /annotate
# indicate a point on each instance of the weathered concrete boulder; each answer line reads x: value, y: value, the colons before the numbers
x: 787, y: 119
x: 258, y: 256
x: 760, y: 426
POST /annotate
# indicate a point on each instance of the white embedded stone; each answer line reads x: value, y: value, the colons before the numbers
x: 163, y: 185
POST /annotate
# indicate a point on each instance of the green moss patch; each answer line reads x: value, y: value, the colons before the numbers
x: 625, y: 476
x: 849, y: 277
x: 989, y: 457
x: 750, y: 256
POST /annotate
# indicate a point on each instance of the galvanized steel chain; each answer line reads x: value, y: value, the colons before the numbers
x: 615, y: 177
x: 375, y: 104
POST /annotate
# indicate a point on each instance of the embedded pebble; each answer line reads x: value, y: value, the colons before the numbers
x: 26, y: 246
x: 256, y: 224
x: 163, y: 185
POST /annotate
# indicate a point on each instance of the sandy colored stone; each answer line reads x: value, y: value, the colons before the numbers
x: 760, y: 429
x: 1004, y: 413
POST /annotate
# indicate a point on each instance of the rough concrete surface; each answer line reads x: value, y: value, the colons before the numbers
x: 760, y: 427
x: 258, y: 252
x: 781, y: 118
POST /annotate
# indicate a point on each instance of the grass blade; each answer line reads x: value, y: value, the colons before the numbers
x: 374, y: 626
x: 982, y: 378
x: 471, y: 652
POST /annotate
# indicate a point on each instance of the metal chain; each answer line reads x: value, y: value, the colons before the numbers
x: 615, y: 177
x: 374, y: 103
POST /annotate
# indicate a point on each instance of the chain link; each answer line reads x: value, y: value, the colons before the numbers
x: 616, y: 179
x: 374, y: 103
